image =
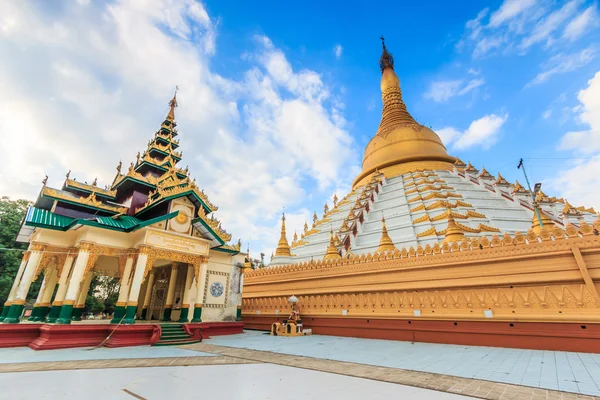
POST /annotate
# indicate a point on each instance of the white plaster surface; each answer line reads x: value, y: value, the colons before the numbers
x: 556, y: 370
x: 240, y: 382
x: 25, y: 354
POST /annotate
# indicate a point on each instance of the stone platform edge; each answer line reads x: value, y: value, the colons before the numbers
x: 49, y: 336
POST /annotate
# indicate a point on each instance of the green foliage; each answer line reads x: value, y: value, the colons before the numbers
x: 12, y: 213
x: 93, y: 305
x: 106, y: 290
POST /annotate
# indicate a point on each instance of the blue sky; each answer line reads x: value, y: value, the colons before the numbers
x: 277, y: 102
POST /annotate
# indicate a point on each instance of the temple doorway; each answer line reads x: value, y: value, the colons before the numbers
x: 159, y: 293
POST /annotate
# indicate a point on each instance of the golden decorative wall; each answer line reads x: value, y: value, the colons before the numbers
x: 553, y: 276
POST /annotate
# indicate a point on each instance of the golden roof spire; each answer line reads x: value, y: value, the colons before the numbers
x: 332, y: 252
x: 172, y: 104
x: 283, y: 247
x: 399, y: 139
x: 453, y: 232
x: 547, y: 221
x: 385, y: 244
x: 247, y: 259
x: 386, y: 60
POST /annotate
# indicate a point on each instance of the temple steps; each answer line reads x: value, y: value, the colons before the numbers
x: 174, y: 335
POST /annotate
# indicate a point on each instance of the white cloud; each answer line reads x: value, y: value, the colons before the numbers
x: 588, y: 113
x: 582, y: 23
x: 509, y: 10
x: 482, y: 132
x: 563, y: 63
x: 547, y: 114
x: 520, y: 25
x: 442, y: 91
x: 84, y: 92
x: 448, y: 135
x: 549, y: 24
x: 337, y: 51
x: 487, y: 44
x: 580, y: 181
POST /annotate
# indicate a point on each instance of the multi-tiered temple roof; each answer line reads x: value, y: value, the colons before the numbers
x: 140, y: 195
x: 411, y: 193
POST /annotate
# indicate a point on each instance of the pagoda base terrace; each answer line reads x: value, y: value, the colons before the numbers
x: 50, y: 336
x: 522, y: 335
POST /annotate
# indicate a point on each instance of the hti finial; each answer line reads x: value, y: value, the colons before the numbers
x: 386, y: 60
x: 172, y: 105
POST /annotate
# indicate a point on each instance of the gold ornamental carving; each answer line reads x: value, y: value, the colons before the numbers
x: 155, y: 254
x: 169, y: 241
x: 95, y: 251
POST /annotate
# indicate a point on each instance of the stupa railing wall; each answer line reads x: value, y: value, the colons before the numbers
x: 550, y: 276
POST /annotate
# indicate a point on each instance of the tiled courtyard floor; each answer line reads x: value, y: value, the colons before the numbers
x: 555, y: 370
x: 388, y: 369
x: 216, y: 382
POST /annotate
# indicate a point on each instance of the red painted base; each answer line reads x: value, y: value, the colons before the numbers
x: 214, y: 329
x: 18, y: 335
x: 134, y: 335
x: 66, y: 336
x: 48, y: 337
x: 523, y: 335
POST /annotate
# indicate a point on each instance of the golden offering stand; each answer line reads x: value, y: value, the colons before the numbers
x: 293, y: 325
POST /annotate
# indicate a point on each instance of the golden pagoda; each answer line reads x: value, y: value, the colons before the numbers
x: 464, y: 259
x: 385, y: 244
x: 400, y: 143
x: 152, y: 228
x: 332, y: 252
x: 283, y: 247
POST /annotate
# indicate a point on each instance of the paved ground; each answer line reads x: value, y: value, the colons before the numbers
x: 27, y: 355
x: 264, y: 367
x: 556, y: 370
x: 245, y: 382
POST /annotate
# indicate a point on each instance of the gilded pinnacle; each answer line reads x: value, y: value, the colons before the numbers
x: 386, y: 243
x: 453, y: 232
x: 332, y: 252
x: 172, y: 105
x: 283, y: 247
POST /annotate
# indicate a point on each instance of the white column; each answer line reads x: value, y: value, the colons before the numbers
x: 148, y: 292
x: 15, y: 285
x: 138, y: 278
x: 198, y: 286
x: 50, y: 279
x: 77, y: 275
x: 187, y: 291
x: 38, y: 300
x: 83, y: 290
x: 125, y: 283
x: 30, y: 269
x: 63, y: 282
x: 172, y: 282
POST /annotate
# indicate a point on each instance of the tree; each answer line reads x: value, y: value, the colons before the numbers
x: 106, y: 290
x: 12, y: 213
x: 93, y: 305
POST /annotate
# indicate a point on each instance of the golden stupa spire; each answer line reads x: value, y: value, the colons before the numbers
x: 247, y: 260
x: 394, y: 109
x: 283, y: 247
x: 400, y: 144
x: 385, y: 244
x: 172, y: 105
x: 332, y: 252
x: 453, y: 232
x: 546, y: 220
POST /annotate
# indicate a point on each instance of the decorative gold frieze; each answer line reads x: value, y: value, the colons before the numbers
x: 89, y: 200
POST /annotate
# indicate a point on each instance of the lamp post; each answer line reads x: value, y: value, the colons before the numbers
x: 538, y: 186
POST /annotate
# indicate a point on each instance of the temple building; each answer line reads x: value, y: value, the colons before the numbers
x: 426, y: 247
x: 152, y: 228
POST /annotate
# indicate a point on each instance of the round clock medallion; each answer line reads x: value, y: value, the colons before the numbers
x: 216, y: 289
